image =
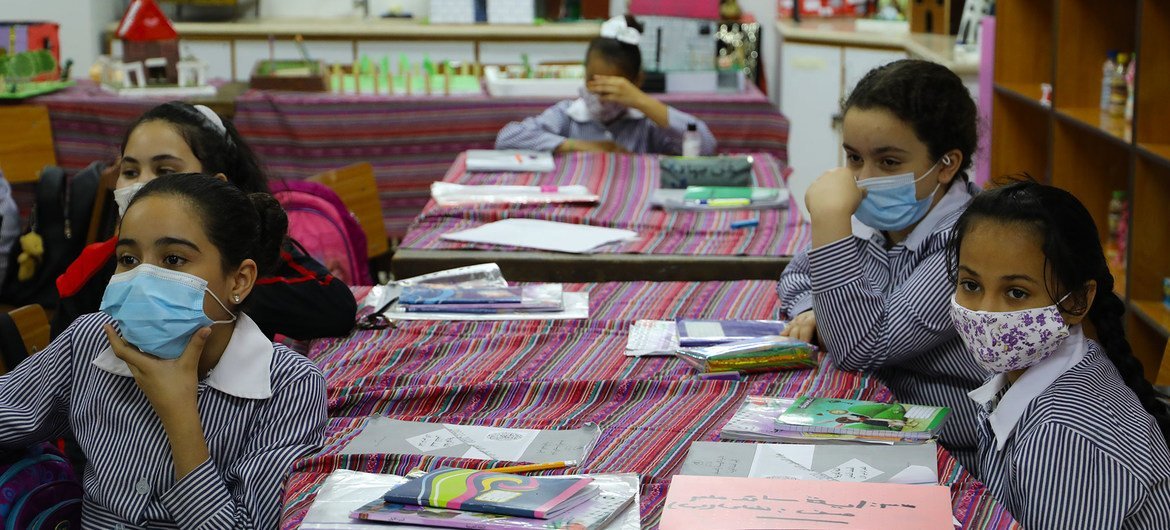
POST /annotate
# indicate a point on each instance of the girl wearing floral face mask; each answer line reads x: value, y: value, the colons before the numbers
x: 874, y: 288
x: 612, y: 114
x: 189, y: 417
x: 1071, y: 433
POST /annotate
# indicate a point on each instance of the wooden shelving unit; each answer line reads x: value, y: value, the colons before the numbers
x: 1072, y: 144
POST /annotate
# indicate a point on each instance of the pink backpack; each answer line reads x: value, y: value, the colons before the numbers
x: 320, y: 222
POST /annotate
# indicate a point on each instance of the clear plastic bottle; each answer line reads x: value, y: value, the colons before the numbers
x: 1119, y: 92
x: 1107, y: 71
x: 692, y: 143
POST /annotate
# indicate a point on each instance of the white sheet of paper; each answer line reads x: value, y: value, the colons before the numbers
x: 434, y: 440
x: 788, y: 461
x: 576, y: 307
x: 542, y: 235
x: 343, y: 492
x: 652, y: 337
x: 495, y: 442
x: 915, y: 475
x: 853, y: 471
x: 509, y: 160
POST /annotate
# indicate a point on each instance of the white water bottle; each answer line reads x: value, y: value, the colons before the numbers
x: 692, y: 143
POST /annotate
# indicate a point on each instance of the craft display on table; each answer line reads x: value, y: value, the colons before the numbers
x: 365, y: 77
x: 30, y: 65
x: 545, y: 80
x: 150, y: 64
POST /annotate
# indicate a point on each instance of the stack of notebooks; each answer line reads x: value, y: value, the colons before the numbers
x: 536, y: 298
x: 467, y: 498
x: 814, y: 419
x: 741, y: 346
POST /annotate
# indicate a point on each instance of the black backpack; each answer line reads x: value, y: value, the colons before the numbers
x: 61, y: 216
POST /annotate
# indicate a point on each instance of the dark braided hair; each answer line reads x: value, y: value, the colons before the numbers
x: 1073, y: 254
x: 219, y: 152
x: 240, y: 225
x: 929, y: 97
x: 626, y: 57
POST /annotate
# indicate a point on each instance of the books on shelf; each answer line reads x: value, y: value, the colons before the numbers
x: 752, y: 355
x: 758, y: 420
x: 898, y: 421
x: 900, y: 464
x: 489, y: 492
x: 703, y: 332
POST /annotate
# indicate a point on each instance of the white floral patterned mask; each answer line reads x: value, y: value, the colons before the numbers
x: 1011, y: 340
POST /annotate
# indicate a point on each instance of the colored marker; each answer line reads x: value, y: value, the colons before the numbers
x: 729, y: 202
x: 745, y: 223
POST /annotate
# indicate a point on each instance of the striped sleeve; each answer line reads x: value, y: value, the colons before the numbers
x: 34, y: 398
x: 865, y: 329
x: 668, y: 141
x: 1064, y: 481
x: 795, y: 288
x: 248, y: 494
x: 543, y: 132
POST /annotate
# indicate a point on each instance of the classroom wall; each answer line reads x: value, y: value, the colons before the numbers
x: 81, y: 24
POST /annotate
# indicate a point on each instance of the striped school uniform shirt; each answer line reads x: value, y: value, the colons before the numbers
x: 262, y: 407
x: 1068, y: 445
x: 632, y: 130
x: 887, y: 310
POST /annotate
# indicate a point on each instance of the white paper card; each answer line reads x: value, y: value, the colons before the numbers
x: 652, y: 337
x: 508, y: 160
x: 542, y: 235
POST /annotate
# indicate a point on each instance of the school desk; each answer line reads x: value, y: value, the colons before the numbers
x: 673, y: 245
x: 411, y: 141
x: 562, y: 374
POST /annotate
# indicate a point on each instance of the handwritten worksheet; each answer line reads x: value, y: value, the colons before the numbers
x: 901, y: 464
x: 712, y: 503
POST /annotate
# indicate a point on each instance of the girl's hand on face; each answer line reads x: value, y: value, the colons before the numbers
x: 618, y: 90
x: 171, y: 385
x: 834, y: 194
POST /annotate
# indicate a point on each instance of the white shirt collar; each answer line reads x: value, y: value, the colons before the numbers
x: 243, y: 370
x: 1031, y: 384
x: 955, y: 198
x: 579, y: 112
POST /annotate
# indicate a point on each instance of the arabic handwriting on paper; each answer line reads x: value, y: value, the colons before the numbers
x: 696, y: 502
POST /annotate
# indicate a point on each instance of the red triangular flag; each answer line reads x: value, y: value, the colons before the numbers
x: 144, y: 20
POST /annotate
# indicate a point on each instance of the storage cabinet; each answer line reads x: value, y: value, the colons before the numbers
x: 1072, y: 144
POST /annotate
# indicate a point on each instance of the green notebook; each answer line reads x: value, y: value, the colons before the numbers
x: 851, y: 416
x: 703, y: 193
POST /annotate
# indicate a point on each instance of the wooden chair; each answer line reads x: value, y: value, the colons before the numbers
x: 357, y: 188
x: 23, y: 332
x: 26, y: 142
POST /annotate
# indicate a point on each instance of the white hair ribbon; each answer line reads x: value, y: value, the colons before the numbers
x: 616, y: 28
x: 212, y: 117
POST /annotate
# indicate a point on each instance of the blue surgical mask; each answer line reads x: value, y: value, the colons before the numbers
x: 158, y: 310
x: 891, y: 203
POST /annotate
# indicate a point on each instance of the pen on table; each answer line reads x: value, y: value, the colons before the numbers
x: 732, y: 375
x: 416, y: 473
x: 533, y: 467
x: 724, y: 202
x: 745, y: 223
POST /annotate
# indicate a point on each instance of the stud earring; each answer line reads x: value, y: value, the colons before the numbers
x: 236, y: 298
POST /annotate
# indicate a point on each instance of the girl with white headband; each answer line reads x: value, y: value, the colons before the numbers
x: 299, y: 299
x: 612, y: 114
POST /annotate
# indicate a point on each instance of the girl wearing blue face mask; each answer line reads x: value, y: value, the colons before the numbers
x: 612, y: 114
x: 1021, y: 314
x: 873, y: 289
x: 188, y: 415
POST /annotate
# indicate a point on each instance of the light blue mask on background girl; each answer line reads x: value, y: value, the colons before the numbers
x: 891, y: 203
x: 158, y: 310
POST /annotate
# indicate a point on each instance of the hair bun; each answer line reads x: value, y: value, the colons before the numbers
x: 273, y: 230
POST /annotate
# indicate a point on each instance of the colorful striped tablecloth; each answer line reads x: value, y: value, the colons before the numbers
x: 562, y: 374
x: 625, y: 184
x: 411, y: 141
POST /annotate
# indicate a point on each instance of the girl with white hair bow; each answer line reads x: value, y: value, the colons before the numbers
x: 613, y: 114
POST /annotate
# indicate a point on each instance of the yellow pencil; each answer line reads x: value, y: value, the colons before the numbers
x: 533, y: 467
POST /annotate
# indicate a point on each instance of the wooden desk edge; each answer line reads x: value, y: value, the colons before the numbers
x: 556, y: 267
